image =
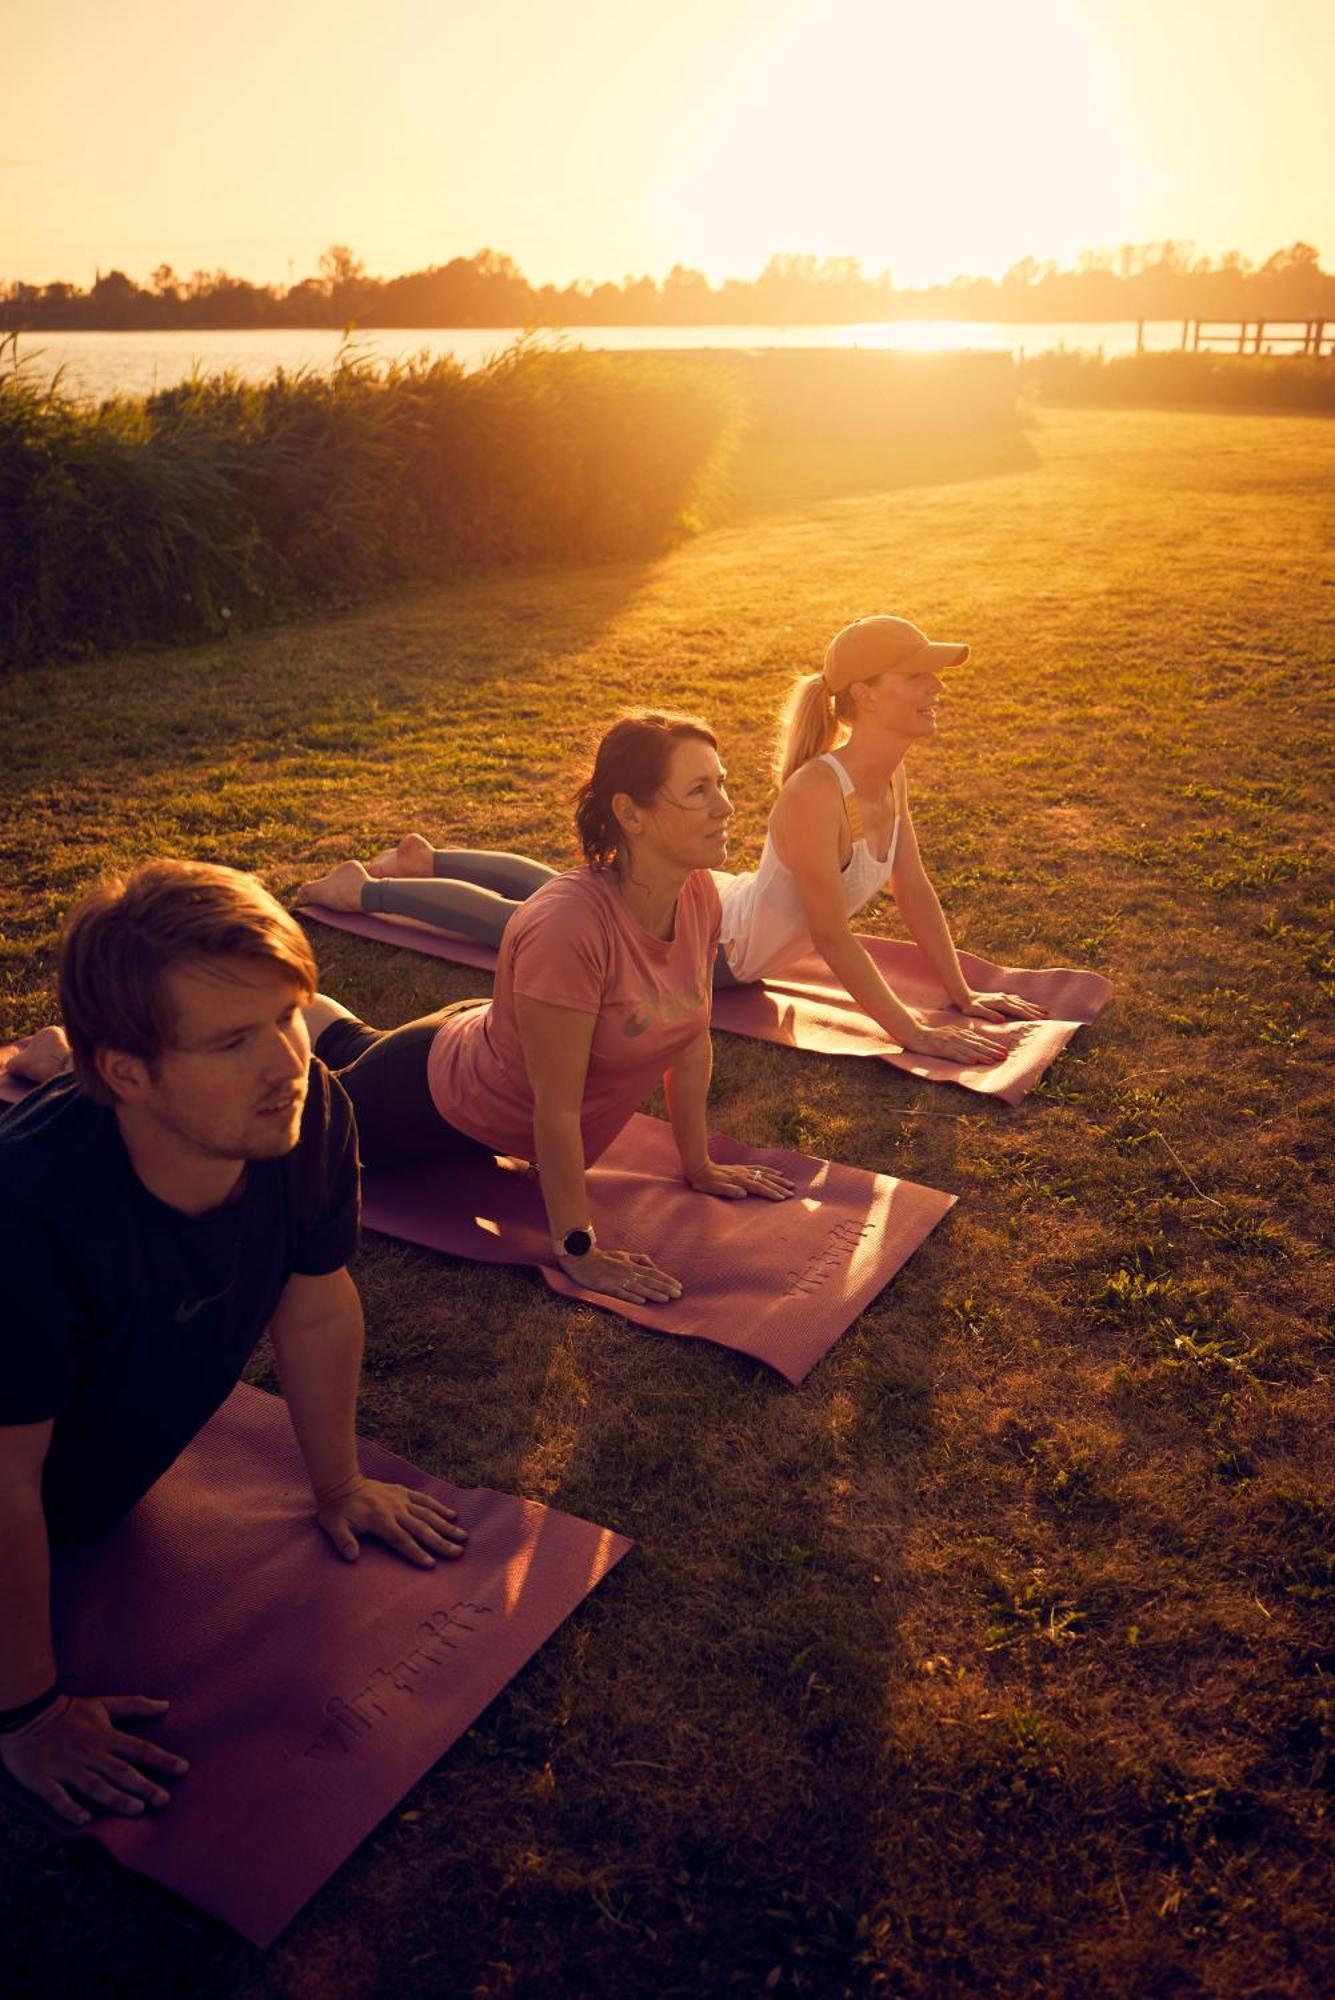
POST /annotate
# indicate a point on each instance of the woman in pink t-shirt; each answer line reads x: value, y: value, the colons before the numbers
x: 602, y: 987
x: 840, y: 832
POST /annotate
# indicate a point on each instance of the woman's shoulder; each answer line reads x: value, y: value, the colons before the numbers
x: 702, y: 888
x: 563, y: 931
x: 813, y: 793
x: 576, y: 902
x: 577, y: 888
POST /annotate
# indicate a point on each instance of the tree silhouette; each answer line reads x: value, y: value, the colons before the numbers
x: 1164, y: 280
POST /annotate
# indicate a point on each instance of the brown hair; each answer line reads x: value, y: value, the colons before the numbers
x: 633, y: 757
x: 121, y: 940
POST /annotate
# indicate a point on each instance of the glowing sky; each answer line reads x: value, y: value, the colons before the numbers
x: 930, y: 136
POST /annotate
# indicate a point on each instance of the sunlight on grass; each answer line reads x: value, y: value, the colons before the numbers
x: 1036, y: 1564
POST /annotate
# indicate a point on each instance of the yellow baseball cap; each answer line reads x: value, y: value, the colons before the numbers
x: 871, y: 646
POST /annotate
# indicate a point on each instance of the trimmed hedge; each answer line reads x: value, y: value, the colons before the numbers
x: 1173, y: 379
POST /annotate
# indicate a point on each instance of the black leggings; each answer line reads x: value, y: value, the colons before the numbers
x: 384, y: 1071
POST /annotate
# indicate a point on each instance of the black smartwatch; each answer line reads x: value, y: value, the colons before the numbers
x: 577, y: 1242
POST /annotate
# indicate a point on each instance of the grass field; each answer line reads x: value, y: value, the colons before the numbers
x: 997, y: 1659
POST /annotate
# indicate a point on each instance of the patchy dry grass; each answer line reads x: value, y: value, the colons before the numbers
x: 997, y: 1659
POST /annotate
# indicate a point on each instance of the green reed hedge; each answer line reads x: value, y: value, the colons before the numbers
x: 1242, y: 381
x: 222, y: 503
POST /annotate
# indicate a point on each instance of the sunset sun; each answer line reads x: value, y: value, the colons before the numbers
x: 926, y: 140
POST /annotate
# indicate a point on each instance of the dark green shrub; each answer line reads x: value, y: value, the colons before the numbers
x: 219, y: 500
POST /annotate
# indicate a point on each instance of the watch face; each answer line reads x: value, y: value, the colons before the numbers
x: 577, y: 1243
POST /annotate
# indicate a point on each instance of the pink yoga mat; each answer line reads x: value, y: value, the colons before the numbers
x: 805, y: 1008
x: 308, y: 1693
x: 777, y: 1280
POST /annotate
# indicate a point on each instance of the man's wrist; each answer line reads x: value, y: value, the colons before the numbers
x: 12, y: 1720
x: 325, y: 1496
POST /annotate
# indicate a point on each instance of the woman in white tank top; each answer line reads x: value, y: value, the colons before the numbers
x: 841, y: 830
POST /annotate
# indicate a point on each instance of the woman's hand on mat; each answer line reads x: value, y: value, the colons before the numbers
x: 1002, y: 1007
x: 74, y: 1751
x: 736, y: 1183
x: 969, y: 1046
x: 415, y: 1525
x: 622, y: 1274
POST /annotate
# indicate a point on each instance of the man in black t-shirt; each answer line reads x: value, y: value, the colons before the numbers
x: 192, y: 1183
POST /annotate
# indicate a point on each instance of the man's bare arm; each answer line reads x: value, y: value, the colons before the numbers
x: 317, y: 1334
x: 71, y: 1751
x: 27, y: 1656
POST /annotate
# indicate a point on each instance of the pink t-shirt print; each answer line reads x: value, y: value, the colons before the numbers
x: 575, y: 943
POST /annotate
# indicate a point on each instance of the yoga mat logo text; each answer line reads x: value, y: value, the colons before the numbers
x: 353, y: 1717
x: 842, y: 1241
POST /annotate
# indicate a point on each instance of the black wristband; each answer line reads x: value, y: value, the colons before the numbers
x: 19, y: 1718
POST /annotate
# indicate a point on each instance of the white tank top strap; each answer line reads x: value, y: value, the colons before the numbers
x: 853, y: 806
x: 845, y: 782
x: 852, y: 803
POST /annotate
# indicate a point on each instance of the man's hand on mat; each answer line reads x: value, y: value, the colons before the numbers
x: 969, y: 1046
x: 1002, y: 1007
x: 415, y: 1525
x: 76, y: 1748
x: 735, y: 1183
x: 622, y: 1274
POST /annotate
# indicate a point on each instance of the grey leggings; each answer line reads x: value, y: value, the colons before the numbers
x: 474, y: 892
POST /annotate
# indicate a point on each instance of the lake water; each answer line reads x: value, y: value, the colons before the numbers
x: 106, y: 364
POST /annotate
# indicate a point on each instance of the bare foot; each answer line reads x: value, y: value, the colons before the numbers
x: 340, y: 889
x: 43, y: 1055
x: 414, y: 856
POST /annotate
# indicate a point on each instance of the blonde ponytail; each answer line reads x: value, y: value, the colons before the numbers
x: 810, y: 726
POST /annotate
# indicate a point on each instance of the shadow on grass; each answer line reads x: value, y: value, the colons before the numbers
x: 686, y: 1840
x: 285, y: 749
x: 618, y: 1821
x: 692, y: 1842
x: 359, y: 682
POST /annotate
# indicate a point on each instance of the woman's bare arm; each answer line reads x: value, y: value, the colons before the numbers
x: 920, y: 907
x: 806, y: 827
x: 556, y: 1042
x: 686, y: 1087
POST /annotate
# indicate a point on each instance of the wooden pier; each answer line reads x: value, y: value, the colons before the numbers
x: 1253, y: 336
